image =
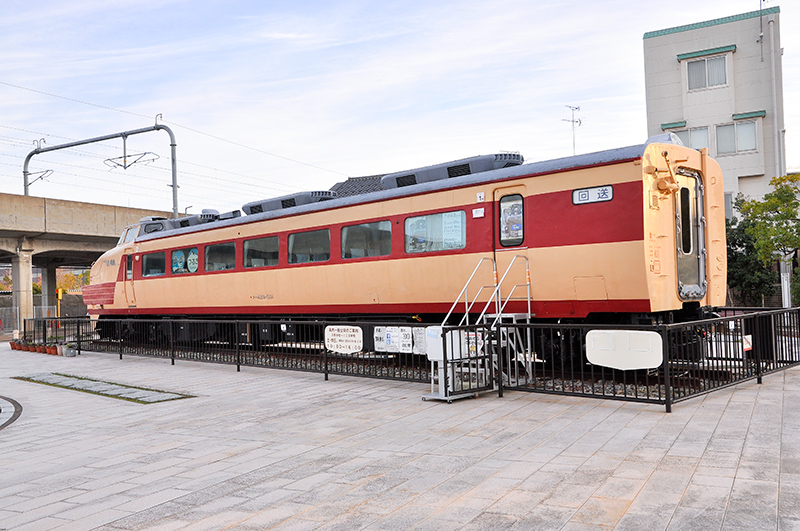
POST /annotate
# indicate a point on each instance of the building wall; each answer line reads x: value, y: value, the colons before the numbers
x: 751, y: 93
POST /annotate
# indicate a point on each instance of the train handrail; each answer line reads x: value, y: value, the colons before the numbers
x: 467, y: 305
x: 498, y: 287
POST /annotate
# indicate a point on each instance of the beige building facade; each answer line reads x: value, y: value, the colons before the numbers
x: 718, y: 85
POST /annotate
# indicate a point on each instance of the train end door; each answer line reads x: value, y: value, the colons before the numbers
x: 690, y: 236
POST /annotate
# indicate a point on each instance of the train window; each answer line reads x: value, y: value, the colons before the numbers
x: 261, y: 252
x: 312, y: 246
x: 686, y: 221
x: 220, y: 256
x: 512, y: 231
x: 436, y: 232
x: 184, y: 261
x: 367, y: 239
x: 154, y: 264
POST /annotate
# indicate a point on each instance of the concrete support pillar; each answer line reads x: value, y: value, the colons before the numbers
x: 49, y: 289
x: 22, y: 277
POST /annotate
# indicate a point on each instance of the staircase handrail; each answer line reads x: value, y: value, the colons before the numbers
x: 467, y: 304
x: 498, y: 286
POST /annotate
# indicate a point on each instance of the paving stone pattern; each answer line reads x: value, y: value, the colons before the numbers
x: 269, y: 449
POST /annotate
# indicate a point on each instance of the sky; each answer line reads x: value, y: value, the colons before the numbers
x: 268, y: 98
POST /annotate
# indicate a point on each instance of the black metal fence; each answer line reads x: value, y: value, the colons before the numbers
x: 365, y: 349
x: 695, y: 358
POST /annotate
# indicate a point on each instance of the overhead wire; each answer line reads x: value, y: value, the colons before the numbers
x: 196, y: 131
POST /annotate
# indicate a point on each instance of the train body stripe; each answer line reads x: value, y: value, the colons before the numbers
x: 99, y: 293
x: 541, y: 309
x: 617, y: 220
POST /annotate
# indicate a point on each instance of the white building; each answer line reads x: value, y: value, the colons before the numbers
x: 718, y: 84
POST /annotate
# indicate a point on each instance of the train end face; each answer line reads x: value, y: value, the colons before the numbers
x: 100, y: 292
x: 684, y: 215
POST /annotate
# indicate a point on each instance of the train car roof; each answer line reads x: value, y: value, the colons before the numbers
x: 598, y: 158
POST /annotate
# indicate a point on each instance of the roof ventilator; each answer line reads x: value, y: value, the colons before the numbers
x: 288, y: 201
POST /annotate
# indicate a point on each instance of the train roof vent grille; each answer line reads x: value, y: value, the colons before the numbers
x: 458, y: 171
x: 449, y: 170
x: 406, y: 180
x: 288, y: 201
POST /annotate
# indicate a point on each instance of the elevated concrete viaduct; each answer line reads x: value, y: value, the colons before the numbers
x: 51, y: 233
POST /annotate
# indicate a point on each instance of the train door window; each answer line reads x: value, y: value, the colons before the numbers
x: 261, y: 252
x: 686, y: 221
x: 184, y: 261
x: 512, y: 232
x: 128, y: 267
x: 436, y: 232
x: 311, y: 246
x: 153, y: 264
x: 367, y: 239
x: 220, y: 256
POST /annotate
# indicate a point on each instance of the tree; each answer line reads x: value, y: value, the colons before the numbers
x: 774, y: 222
x: 749, y: 278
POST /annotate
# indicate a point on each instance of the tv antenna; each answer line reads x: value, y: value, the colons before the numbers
x: 573, y: 121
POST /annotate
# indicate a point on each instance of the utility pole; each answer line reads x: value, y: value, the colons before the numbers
x: 573, y: 121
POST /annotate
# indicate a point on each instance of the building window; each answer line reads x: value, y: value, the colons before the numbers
x: 220, y: 256
x: 153, y: 264
x: 312, y: 246
x: 367, y: 239
x: 706, y: 73
x: 735, y: 138
x: 261, y: 252
x: 694, y: 138
x: 436, y: 232
x: 184, y: 261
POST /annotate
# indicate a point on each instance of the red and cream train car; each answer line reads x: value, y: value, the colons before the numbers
x: 623, y: 235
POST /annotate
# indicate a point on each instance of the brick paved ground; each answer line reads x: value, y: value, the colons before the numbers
x: 269, y: 449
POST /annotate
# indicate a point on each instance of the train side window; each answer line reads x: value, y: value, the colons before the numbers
x: 436, y: 232
x: 367, y: 239
x: 154, y: 264
x: 220, y: 256
x: 312, y: 246
x: 129, y: 267
x: 261, y: 252
x: 184, y: 261
x: 511, y: 219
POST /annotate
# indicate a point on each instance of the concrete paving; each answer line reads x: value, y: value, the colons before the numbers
x: 269, y: 449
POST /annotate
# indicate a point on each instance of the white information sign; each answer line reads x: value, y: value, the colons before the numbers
x: 379, y: 337
x: 406, y: 340
x: 344, y: 339
x: 420, y: 341
x: 451, y: 230
x: 624, y: 349
x: 392, y: 339
x: 597, y: 194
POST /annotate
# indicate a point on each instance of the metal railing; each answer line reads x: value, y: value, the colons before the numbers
x: 698, y: 357
x: 293, y: 345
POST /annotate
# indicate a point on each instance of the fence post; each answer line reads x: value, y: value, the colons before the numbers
x: 119, y: 337
x: 757, y: 342
x: 80, y: 334
x: 499, y: 353
x: 324, y: 352
x: 666, y: 365
x: 171, y: 322
x: 236, y: 345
